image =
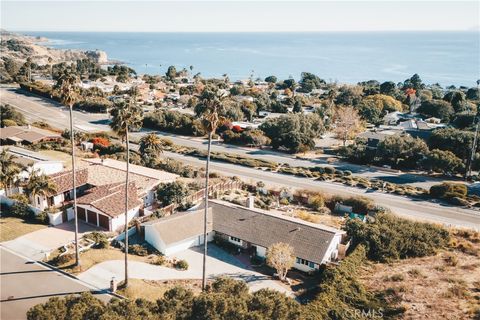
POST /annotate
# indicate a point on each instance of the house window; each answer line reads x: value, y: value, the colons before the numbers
x: 303, y: 261
x: 235, y: 240
x: 38, y: 200
x: 311, y: 265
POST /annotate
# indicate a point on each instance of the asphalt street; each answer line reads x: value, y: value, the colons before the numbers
x: 26, y: 283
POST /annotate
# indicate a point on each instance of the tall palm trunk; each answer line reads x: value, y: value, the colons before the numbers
x: 74, y: 185
x: 126, y: 208
x: 205, y: 215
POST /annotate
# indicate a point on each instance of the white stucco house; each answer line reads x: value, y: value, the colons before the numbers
x: 252, y: 230
x: 101, y: 192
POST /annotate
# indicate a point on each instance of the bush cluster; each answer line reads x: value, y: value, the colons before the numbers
x: 390, y: 237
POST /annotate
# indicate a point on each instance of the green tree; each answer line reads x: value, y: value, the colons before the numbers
x: 388, y: 87
x: 9, y: 170
x: 457, y: 141
x: 436, y: 108
x: 8, y: 113
x: 402, y: 147
x: 271, y: 79
x: 68, y: 92
x: 151, y: 146
x: 39, y: 184
x: 127, y: 116
x: 443, y: 161
x: 172, y: 192
x: 297, y: 107
x: 171, y: 73
x: 293, y: 132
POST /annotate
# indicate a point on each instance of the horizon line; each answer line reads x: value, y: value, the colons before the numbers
x: 256, y: 31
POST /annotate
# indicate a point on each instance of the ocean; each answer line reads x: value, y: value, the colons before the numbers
x: 447, y: 58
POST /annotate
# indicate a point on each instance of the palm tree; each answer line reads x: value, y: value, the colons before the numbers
x: 210, y: 107
x: 126, y: 116
x: 150, y: 146
x: 68, y: 92
x: 9, y: 170
x: 39, y: 184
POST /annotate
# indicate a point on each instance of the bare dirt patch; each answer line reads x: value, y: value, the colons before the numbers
x: 444, y: 286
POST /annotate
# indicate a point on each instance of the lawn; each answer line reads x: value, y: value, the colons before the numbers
x: 154, y: 290
x: 11, y: 228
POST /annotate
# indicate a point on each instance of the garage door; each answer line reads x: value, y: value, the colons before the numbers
x: 103, y: 221
x: 81, y: 213
x: 92, y: 217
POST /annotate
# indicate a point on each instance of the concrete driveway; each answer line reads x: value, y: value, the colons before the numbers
x: 36, y: 245
x: 219, y: 263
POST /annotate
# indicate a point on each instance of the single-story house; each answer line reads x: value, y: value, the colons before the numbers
x: 251, y: 229
x: 26, y: 135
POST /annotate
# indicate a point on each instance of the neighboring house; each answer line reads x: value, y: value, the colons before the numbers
x: 104, y: 206
x: 64, y: 188
x: 392, y: 118
x: 32, y: 160
x: 252, y: 230
x: 107, y: 171
x: 99, y: 191
x: 375, y: 137
x: 26, y: 135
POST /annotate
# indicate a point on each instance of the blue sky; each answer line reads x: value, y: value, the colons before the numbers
x: 247, y: 16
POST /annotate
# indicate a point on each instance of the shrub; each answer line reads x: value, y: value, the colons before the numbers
x: 390, y: 237
x: 448, y: 190
x: 21, y: 210
x: 100, y: 239
x: 397, y: 277
x: 138, y: 250
x: 181, y: 265
x: 159, y: 260
x: 451, y: 260
x: 62, y: 259
x: 330, y: 170
x: 316, y: 201
x: 43, y: 218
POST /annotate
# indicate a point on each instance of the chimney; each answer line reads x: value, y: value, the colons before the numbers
x: 250, y: 201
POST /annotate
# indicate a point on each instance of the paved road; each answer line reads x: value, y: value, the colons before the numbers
x: 25, y: 283
x: 36, y: 108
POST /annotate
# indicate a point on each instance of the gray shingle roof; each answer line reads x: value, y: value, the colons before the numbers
x: 181, y: 226
x: 309, y: 241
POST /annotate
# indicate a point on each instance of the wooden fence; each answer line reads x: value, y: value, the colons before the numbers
x: 199, y: 195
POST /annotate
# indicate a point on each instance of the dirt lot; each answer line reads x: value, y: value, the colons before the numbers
x: 445, y: 286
